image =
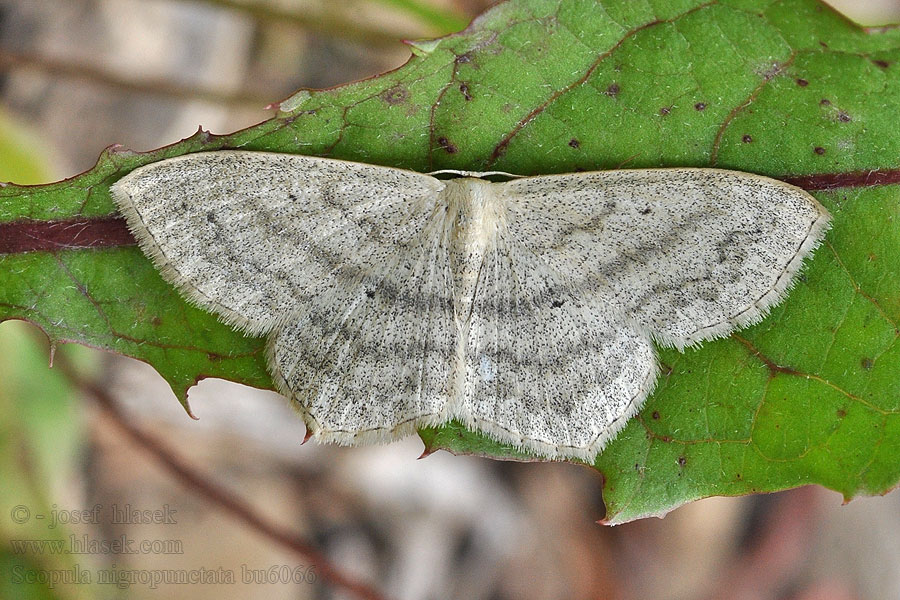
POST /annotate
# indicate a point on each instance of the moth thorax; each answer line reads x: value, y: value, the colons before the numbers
x: 474, y: 216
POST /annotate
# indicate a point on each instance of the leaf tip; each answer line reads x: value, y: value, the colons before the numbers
x: 428, y: 451
x: 188, y: 410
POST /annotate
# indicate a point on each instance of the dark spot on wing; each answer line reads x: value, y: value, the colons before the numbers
x: 646, y: 211
x: 370, y: 293
x: 564, y: 405
x: 210, y: 217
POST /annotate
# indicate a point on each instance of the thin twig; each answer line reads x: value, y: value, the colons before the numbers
x: 62, y: 68
x: 216, y: 494
x: 319, y: 23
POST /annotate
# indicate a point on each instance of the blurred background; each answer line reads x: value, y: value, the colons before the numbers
x: 79, y: 75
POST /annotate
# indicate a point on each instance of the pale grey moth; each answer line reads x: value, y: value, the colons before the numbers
x: 527, y: 309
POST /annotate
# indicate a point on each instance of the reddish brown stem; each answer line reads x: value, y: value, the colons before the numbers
x: 29, y: 236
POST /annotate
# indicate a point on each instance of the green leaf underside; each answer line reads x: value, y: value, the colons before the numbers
x: 783, y: 88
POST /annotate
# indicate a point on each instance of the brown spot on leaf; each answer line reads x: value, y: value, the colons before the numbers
x: 574, y: 143
x: 843, y: 117
x: 881, y: 63
x: 746, y: 138
x: 447, y: 145
x: 771, y: 72
x: 655, y: 415
x: 156, y: 321
x: 867, y: 363
x: 665, y: 110
x: 464, y: 90
x: 464, y: 58
x: 825, y: 102
x: 395, y: 95
x: 841, y: 413
x: 682, y: 461
x: 802, y: 82
x: 700, y: 106
x: 819, y: 150
x: 613, y: 90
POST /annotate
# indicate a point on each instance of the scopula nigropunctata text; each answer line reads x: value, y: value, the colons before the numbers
x: 526, y: 309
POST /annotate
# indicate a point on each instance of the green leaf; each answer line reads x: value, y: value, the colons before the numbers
x: 17, y: 161
x: 788, y: 89
x: 39, y: 445
x: 40, y: 434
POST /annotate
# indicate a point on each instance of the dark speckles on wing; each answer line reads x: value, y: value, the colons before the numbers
x: 667, y: 246
x: 359, y: 274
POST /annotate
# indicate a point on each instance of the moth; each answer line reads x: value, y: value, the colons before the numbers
x: 527, y: 309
